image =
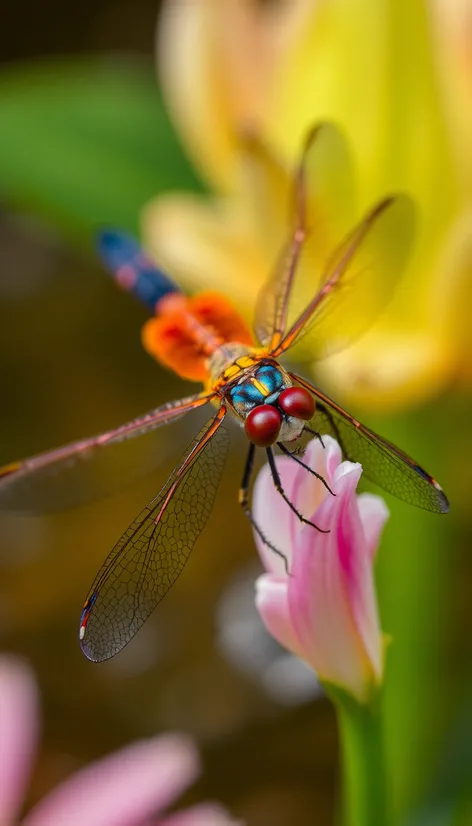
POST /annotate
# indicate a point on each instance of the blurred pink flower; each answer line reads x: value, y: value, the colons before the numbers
x: 128, y: 788
x: 325, y: 609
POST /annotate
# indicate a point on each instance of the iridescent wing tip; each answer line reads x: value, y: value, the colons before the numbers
x: 442, y: 500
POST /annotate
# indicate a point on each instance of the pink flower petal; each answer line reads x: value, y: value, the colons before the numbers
x: 308, y: 491
x: 325, y: 609
x: 373, y: 513
x: 331, y: 592
x: 359, y: 583
x: 274, y: 517
x: 318, y: 602
x: 18, y: 733
x: 272, y: 604
x: 333, y: 457
x: 123, y: 789
x: 207, y: 814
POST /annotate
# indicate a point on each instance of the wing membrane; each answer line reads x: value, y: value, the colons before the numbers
x: 322, y: 214
x: 382, y: 462
x: 152, y: 552
x: 89, y: 468
x: 358, y: 282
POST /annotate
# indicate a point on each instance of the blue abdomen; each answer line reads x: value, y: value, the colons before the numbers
x: 132, y: 269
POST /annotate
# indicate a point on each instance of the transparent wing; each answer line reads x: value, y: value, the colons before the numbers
x: 322, y: 212
x: 90, y: 468
x: 382, y: 462
x: 146, y: 561
x: 358, y: 282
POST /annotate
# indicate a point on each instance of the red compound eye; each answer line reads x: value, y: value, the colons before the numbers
x: 263, y: 424
x: 297, y: 402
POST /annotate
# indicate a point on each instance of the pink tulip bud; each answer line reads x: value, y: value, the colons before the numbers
x: 324, y: 609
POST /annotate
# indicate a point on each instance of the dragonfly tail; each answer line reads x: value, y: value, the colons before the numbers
x: 132, y: 269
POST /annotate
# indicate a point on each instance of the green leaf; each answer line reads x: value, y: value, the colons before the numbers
x: 86, y: 143
x: 450, y: 788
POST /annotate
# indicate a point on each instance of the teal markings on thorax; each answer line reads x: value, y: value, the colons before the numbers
x: 261, y: 388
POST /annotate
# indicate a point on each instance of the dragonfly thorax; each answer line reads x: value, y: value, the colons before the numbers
x: 261, y: 395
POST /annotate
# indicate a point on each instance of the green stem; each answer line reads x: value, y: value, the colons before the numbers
x: 365, y: 794
x: 412, y: 575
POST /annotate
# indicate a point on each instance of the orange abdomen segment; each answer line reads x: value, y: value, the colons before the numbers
x: 187, y: 331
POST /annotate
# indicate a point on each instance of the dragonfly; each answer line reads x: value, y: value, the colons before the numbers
x: 244, y: 378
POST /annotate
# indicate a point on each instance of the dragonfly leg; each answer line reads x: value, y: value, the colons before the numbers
x: 243, y: 499
x: 295, y: 458
x: 315, y: 433
x: 279, y: 488
x: 334, y: 428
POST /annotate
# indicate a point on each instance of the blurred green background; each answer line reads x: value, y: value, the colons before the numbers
x: 84, y: 142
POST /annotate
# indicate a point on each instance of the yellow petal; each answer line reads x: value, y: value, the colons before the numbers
x: 319, y: 201
x: 195, y: 87
x: 369, y: 264
x: 453, y: 28
x: 216, y: 63
x: 265, y: 187
x: 453, y: 294
x: 328, y: 75
x: 205, y: 245
x: 370, y: 67
x: 388, y: 369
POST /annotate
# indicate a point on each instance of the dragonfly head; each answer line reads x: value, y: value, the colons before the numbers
x: 261, y: 395
x: 282, y: 419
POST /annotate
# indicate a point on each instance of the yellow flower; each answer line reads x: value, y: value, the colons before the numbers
x: 217, y: 61
x: 230, y: 69
x: 454, y: 30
